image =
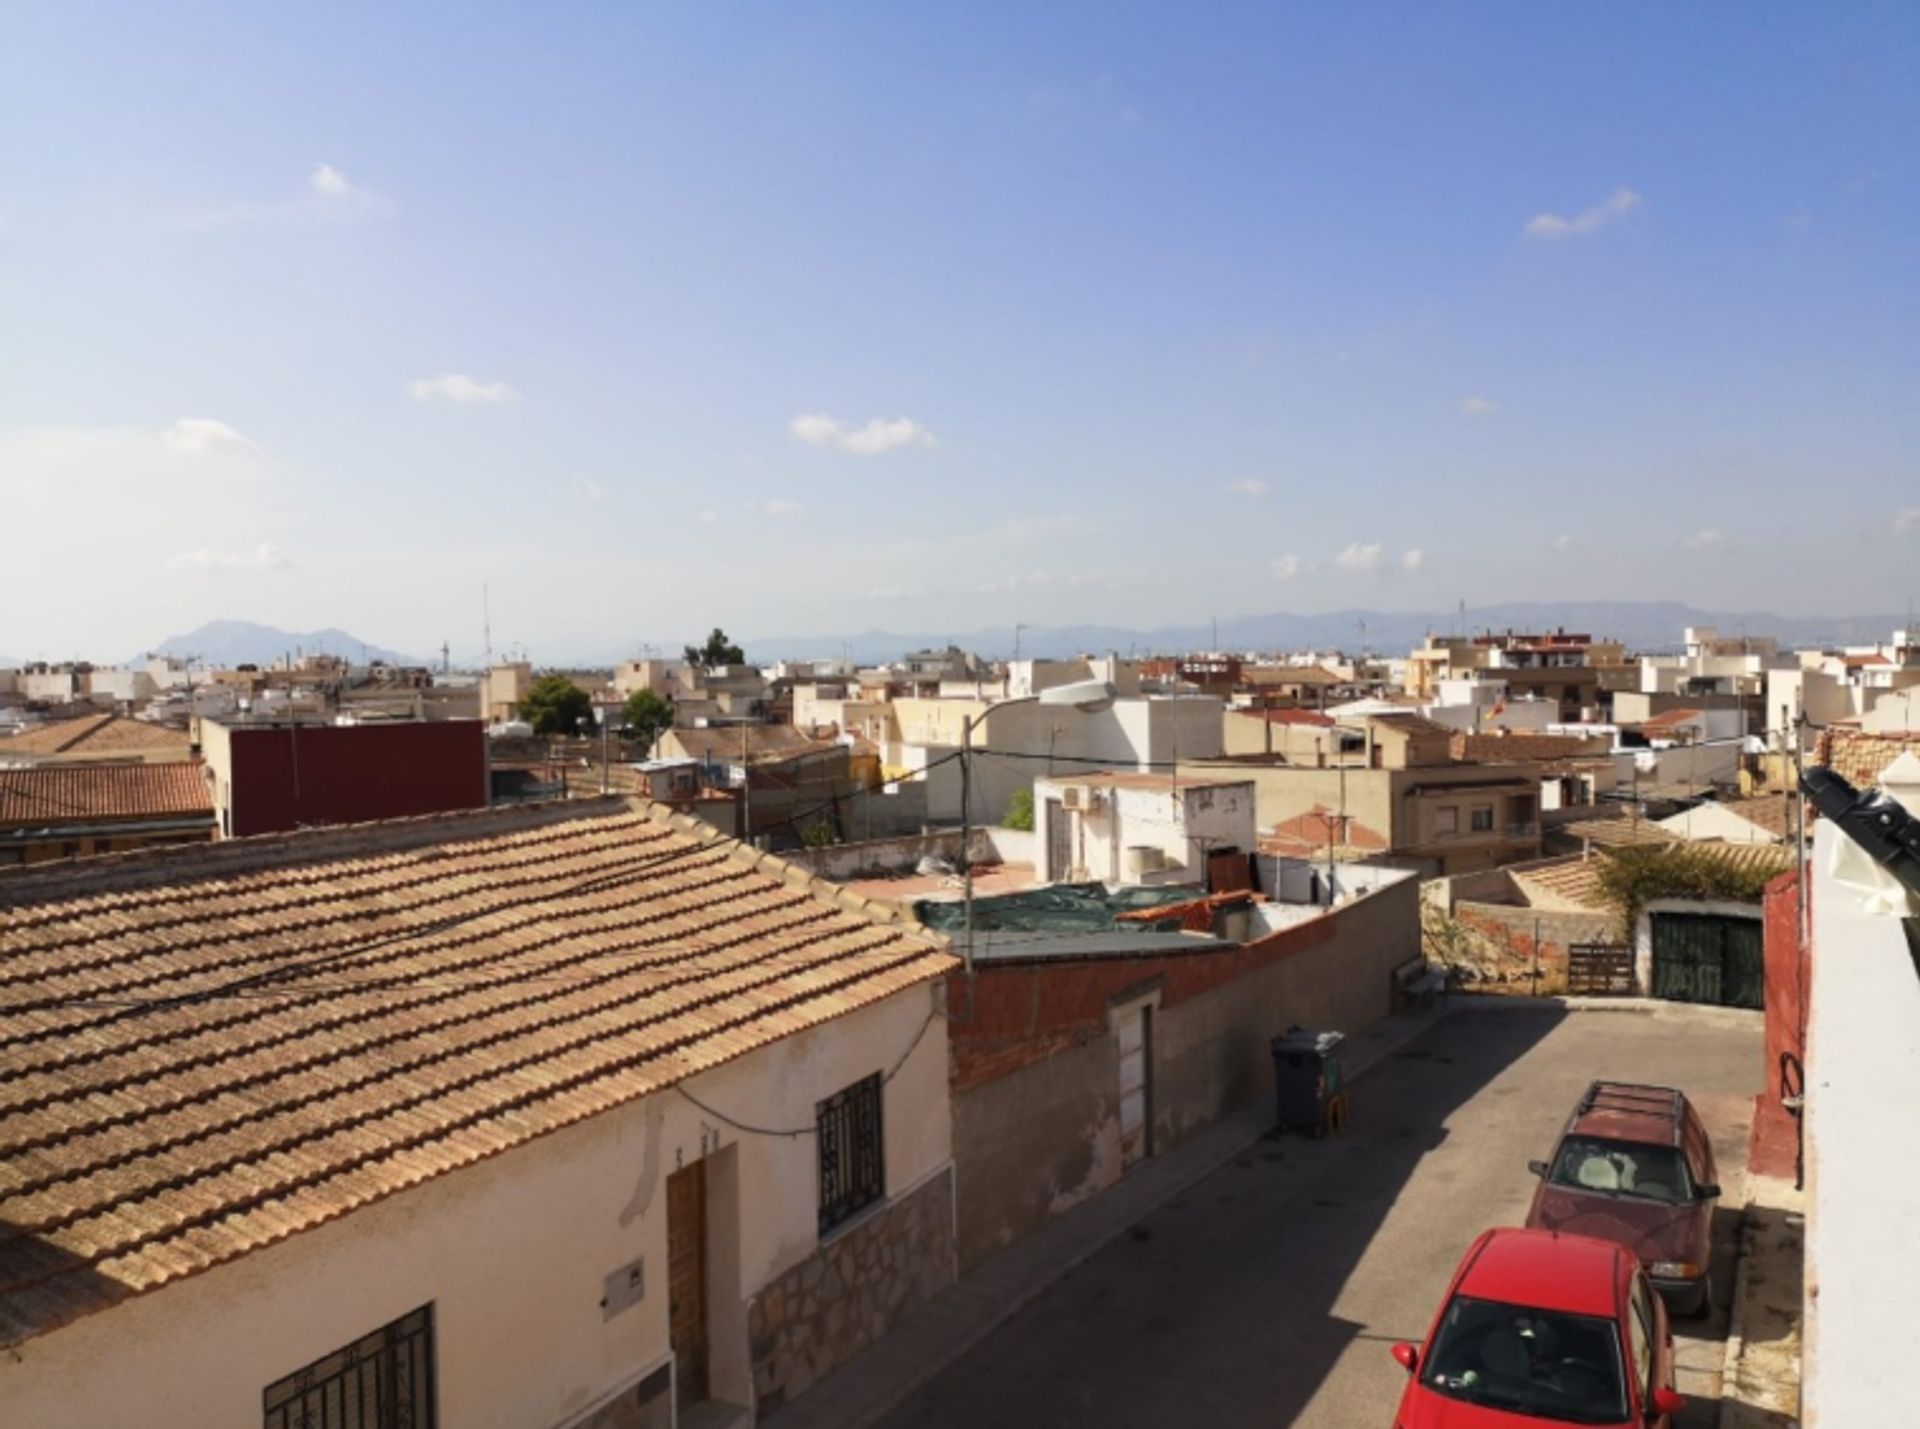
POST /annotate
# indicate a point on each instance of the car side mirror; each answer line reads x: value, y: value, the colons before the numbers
x: 1539, y: 1168
x: 1709, y: 1191
x: 1666, y: 1401
x: 1408, y: 1356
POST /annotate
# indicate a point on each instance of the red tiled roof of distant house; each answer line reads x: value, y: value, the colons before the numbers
x: 71, y: 793
x: 1290, y: 716
x: 106, y: 734
x: 1858, y: 757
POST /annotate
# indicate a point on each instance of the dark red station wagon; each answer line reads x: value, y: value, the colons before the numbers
x: 1634, y: 1167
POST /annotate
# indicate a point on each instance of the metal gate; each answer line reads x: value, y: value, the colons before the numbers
x: 1703, y: 957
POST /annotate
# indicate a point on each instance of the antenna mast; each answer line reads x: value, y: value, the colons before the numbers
x: 486, y: 628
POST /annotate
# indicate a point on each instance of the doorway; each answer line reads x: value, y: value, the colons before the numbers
x: 1059, y: 842
x: 687, y: 1280
x: 1135, y: 1037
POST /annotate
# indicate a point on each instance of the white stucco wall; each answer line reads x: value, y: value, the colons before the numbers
x: 511, y: 1252
x: 1716, y: 821
x: 1184, y: 825
x: 1863, y: 1220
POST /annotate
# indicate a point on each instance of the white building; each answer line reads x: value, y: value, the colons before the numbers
x: 505, y: 1116
x: 1139, y: 828
x: 1862, y: 1082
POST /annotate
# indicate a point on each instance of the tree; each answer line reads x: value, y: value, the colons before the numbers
x: 717, y: 651
x: 1020, y: 810
x: 555, y: 705
x: 648, y: 716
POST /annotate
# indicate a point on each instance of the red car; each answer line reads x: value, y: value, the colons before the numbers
x: 1540, y: 1328
x: 1634, y: 1166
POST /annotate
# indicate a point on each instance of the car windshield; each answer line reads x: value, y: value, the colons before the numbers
x: 1623, y: 1168
x: 1528, y: 1361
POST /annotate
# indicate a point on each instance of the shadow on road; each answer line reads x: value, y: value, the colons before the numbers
x: 1219, y: 1308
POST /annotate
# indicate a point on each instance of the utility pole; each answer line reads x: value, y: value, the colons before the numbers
x: 966, y: 837
x: 606, y: 771
x: 746, y: 783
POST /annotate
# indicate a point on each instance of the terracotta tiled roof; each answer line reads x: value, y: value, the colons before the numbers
x: 1858, y: 757
x: 208, y: 1049
x: 104, y: 734
x: 1305, y: 835
x: 762, y: 742
x: 1570, y: 886
x: 1500, y: 748
x: 1606, y: 831
x: 1574, y: 883
x: 1419, y: 726
x: 1766, y: 812
x: 1289, y: 716
x: 63, y: 793
x: 1671, y: 718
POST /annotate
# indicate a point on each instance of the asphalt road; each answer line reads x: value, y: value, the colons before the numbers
x: 1269, y: 1293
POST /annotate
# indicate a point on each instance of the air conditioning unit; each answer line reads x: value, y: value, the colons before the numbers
x: 1074, y: 797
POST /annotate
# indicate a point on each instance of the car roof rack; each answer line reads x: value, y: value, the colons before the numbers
x: 1635, y: 1096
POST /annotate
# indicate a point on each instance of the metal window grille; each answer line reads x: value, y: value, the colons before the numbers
x: 381, y: 1381
x: 852, y: 1157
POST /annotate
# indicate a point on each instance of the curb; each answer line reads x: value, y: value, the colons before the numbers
x: 1014, y: 1304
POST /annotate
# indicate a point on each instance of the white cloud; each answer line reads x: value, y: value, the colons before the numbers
x: 1705, y: 539
x: 778, y: 506
x: 1411, y: 560
x: 1562, y: 542
x: 330, y: 183
x: 590, y: 489
x: 707, y: 517
x: 1359, y: 557
x: 1285, y: 567
x: 458, y: 387
x: 1478, y: 406
x: 1906, y: 520
x: 264, y: 557
x: 1617, y: 205
x: 1253, y: 486
x: 880, y: 434
x: 202, y: 436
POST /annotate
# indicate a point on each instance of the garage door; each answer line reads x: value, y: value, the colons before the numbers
x: 1700, y: 957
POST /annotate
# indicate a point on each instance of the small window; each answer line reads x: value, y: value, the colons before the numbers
x: 1446, y: 820
x: 852, y: 1158
x: 1483, y: 818
x: 381, y: 1381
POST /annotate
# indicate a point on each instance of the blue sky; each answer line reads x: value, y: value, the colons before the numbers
x: 818, y: 318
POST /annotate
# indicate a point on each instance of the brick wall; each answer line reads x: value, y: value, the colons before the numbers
x: 1035, y: 1064
x: 1776, y: 1133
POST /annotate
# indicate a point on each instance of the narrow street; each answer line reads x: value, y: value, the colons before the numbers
x: 1269, y: 1294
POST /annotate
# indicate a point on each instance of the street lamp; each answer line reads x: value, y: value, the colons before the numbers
x: 1087, y: 696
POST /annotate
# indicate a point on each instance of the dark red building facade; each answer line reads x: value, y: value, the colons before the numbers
x: 272, y: 778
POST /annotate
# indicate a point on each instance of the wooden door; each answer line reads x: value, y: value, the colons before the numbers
x: 1136, y: 1059
x: 687, y: 1279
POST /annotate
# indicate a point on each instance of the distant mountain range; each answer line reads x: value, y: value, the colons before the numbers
x: 241, y: 642
x: 1642, y: 625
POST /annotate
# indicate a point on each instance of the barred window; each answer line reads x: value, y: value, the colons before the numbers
x: 381, y: 1381
x: 853, y: 1166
